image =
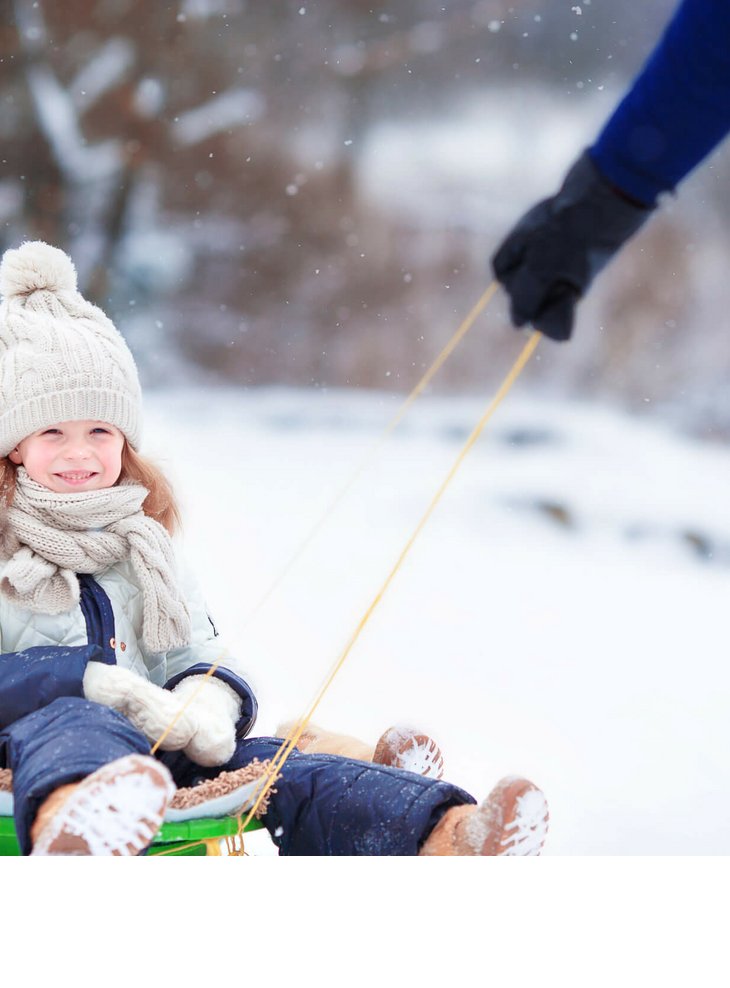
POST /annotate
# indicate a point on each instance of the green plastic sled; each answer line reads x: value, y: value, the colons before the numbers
x: 191, y: 838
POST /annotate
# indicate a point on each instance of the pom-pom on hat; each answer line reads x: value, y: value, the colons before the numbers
x: 61, y: 358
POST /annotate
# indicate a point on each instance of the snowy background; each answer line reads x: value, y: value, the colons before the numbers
x: 308, y: 193
x: 287, y: 209
x: 563, y: 615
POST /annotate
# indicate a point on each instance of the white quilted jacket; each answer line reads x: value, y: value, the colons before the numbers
x: 21, y: 628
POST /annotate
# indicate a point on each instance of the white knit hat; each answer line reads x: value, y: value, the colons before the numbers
x: 61, y: 358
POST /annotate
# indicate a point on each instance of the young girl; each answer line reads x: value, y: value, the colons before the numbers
x: 105, y: 640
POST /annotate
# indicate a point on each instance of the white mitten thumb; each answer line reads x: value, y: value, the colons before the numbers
x: 215, y: 710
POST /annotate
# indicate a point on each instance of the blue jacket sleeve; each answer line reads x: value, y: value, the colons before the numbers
x: 33, y: 678
x: 677, y: 110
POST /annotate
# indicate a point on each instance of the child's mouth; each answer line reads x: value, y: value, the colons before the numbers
x: 76, y: 477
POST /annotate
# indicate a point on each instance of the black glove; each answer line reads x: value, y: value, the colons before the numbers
x: 555, y: 251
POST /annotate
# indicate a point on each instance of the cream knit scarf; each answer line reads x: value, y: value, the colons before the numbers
x: 48, y: 538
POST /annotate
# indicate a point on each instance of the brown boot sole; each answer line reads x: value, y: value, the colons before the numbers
x: 116, y: 810
x: 402, y: 747
x: 512, y: 821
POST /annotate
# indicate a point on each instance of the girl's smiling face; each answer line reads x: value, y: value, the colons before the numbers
x: 72, y: 456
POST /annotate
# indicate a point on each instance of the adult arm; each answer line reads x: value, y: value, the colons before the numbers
x: 677, y: 110
x: 673, y: 116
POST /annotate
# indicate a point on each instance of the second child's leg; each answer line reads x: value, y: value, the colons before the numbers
x: 400, y: 747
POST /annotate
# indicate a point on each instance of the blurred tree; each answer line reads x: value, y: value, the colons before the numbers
x: 202, y: 162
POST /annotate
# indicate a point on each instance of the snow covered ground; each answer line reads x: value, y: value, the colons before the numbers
x: 563, y: 615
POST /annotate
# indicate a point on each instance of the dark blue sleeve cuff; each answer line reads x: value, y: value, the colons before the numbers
x: 249, y: 706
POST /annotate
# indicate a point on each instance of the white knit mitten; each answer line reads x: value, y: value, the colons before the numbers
x: 148, y: 707
x: 215, y: 710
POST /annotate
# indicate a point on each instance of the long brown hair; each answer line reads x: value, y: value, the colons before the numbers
x: 159, y: 504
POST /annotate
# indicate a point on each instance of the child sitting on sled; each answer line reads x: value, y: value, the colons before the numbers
x: 105, y: 639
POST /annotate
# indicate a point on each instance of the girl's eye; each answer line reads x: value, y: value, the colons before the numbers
x: 51, y: 432
x: 104, y: 432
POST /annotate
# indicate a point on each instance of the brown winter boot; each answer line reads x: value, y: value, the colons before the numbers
x: 399, y: 747
x: 49, y: 807
x: 405, y: 748
x: 116, y: 810
x: 512, y: 821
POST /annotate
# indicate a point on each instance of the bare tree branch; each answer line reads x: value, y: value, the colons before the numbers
x: 230, y: 109
x: 59, y: 121
x: 103, y: 72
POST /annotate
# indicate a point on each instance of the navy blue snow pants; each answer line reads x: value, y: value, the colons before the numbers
x: 323, y: 804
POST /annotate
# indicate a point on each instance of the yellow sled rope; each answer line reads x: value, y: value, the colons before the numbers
x: 295, y: 733
x: 236, y: 847
x: 458, y: 336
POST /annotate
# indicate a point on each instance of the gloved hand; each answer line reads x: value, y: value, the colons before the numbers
x: 148, y: 707
x: 558, y: 247
x: 215, y: 711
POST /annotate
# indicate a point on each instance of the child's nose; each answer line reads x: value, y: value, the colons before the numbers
x: 78, y: 450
